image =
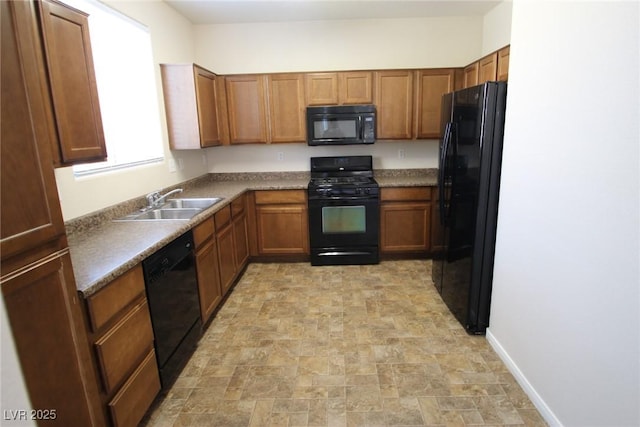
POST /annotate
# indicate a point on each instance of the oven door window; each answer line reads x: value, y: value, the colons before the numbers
x: 344, y: 219
x: 335, y: 128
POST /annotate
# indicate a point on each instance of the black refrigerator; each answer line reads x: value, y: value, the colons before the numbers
x: 472, y: 129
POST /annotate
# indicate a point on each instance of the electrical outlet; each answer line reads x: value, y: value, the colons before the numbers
x: 280, y: 156
x: 172, y: 165
x: 401, y: 153
x: 180, y: 164
x: 204, y: 159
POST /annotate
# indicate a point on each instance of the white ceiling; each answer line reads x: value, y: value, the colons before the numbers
x: 237, y: 11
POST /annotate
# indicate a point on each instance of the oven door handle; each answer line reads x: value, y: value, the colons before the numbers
x: 342, y: 199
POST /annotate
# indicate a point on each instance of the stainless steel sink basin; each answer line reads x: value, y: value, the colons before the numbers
x: 174, y: 209
x: 168, y: 214
x: 199, y: 203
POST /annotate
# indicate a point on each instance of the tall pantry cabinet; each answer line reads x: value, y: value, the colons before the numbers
x: 37, y: 282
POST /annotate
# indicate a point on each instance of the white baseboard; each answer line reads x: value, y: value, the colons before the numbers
x: 535, y: 398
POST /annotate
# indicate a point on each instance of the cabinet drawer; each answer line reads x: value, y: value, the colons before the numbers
x: 132, y: 401
x: 237, y: 206
x: 124, y: 345
x: 222, y: 217
x: 112, y: 299
x: 280, y: 196
x: 405, y: 193
x: 203, y: 231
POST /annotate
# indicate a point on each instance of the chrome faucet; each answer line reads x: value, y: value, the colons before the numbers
x: 154, y: 198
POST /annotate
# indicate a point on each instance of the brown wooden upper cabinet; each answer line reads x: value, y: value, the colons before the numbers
x: 31, y: 214
x: 287, y: 108
x: 69, y: 60
x: 393, y: 97
x: 346, y: 87
x: 355, y: 87
x: 471, y: 75
x: 492, y: 67
x: 321, y: 88
x: 503, y: 64
x: 196, y: 114
x: 487, y: 68
x: 431, y: 85
x: 247, y: 108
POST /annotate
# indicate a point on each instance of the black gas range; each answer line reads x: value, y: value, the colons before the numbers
x: 344, y: 211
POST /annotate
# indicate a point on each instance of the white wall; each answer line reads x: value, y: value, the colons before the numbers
x: 566, y: 303
x: 172, y: 41
x: 338, y: 45
x: 265, y: 158
x: 496, y: 28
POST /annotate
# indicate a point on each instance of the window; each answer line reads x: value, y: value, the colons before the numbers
x: 127, y: 89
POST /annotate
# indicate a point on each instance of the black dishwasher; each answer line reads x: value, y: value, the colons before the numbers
x: 172, y: 291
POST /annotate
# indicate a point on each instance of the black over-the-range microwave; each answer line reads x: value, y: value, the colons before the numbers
x: 341, y: 125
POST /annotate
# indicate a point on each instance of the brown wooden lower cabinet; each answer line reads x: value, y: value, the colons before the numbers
x: 122, y: 339
x: 226, y: 257
x: 120, y: 348
x: 137, y: 394
x: 42, y: 306
x: 240, y: 240
x: 232, y: 240
x: 405, y: 220
x: 282, y: 222
x: 207, y: 267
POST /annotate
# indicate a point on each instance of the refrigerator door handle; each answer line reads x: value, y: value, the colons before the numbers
x: 442, y: 172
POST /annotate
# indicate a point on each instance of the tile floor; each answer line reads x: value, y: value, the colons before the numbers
x: 296, y: 345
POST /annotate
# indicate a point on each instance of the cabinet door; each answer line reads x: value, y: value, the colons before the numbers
x: 432, y: 84
x: 471, y: 75
x: 73, y: 83
x: 405, y: 227
x: 503, y: 64
x: 207, y: 107
x: 282, y: 229
x: 287, y: 108
x: 241, y: 241
x: 322, y: 88
x: 246, y: 102
x: 208, y: 279
x: 192, y: 98
x: 394, y: 103
x: 226, y: 258
x: 30, y: 210
x: 488, y: 67
x: 51, y: 341
x: 356, y: 87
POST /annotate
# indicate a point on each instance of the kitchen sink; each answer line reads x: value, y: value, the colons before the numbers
x: 173, y: 209
x: 200, y: 203
x: 168, y: 213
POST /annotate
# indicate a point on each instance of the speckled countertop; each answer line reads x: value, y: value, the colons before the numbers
x: 101, y: 249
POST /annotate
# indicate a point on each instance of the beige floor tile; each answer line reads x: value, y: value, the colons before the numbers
x: 296, y: 345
